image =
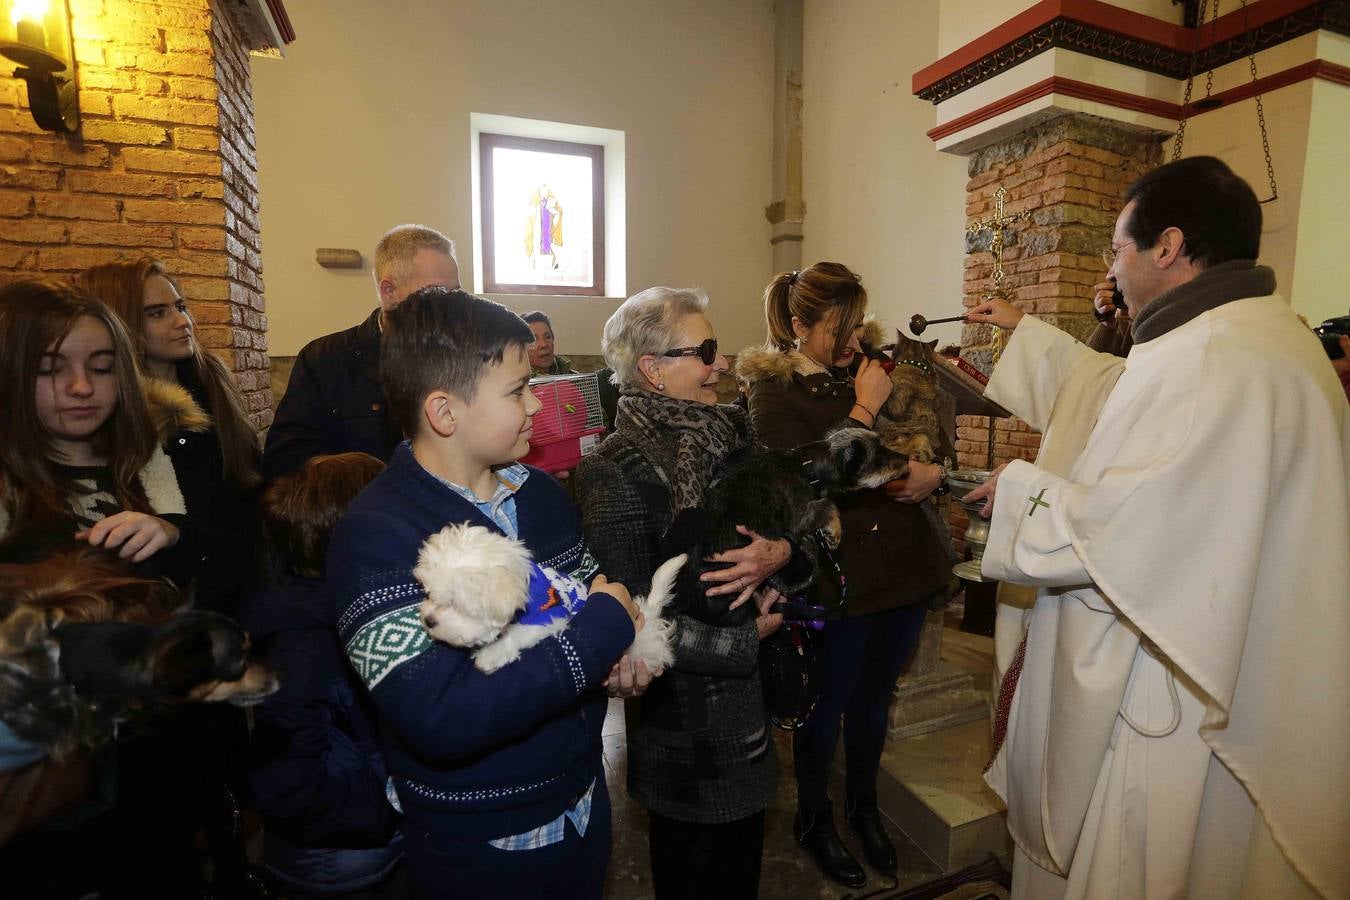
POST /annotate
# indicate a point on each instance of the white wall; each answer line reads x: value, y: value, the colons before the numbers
x: 365, y: 125
x: 879, y: 196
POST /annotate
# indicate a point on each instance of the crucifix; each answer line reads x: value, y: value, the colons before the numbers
x: 996, y: 223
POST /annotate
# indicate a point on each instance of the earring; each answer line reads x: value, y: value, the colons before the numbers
x: 661, y: 386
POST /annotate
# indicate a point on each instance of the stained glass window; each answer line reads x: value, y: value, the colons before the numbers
x: 542, y: 216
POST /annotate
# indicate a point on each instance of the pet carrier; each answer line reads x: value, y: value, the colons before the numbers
x: 568, y: 426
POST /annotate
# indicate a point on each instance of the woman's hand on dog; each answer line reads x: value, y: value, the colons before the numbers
x: 619, y: 592
x: 750, y: 565
x: 766, y: 623
x: 140, y: 535
x: 871, y: 386
x: 995, y: 312
x: 629, y: 679
x: 922, y: 481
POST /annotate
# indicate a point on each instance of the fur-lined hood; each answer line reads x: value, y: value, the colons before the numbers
x: 172, y: 408
x: 754, y: 364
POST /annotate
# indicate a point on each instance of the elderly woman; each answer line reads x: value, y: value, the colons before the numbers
x: 699, y: 752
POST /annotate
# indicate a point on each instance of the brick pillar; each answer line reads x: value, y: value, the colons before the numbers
x: 164, y: 164
x: 1070, y: 173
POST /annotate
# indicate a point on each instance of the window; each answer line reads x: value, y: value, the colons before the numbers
x: 543, y: 216
x: 496, y: 139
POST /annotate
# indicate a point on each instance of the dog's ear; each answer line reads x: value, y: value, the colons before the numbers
x: 851, y: 456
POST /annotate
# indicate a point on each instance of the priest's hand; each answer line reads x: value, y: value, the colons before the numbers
x: 986, y: 492
x: 995, y: 312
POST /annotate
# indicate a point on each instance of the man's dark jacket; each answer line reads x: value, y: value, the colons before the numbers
x: 333, y: 403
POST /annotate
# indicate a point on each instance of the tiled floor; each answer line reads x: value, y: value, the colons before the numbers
x: 788, y: 873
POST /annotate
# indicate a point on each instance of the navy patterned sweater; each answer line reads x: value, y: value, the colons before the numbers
x: 474, y: 756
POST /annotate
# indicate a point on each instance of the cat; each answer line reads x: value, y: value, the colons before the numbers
x: 908, y: 422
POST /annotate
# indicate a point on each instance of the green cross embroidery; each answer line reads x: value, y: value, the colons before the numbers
x: 1037, y: 501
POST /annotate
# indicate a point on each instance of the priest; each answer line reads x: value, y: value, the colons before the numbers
x: 1175, y: 719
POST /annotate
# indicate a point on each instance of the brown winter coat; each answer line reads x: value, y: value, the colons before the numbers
x: 889, y: 553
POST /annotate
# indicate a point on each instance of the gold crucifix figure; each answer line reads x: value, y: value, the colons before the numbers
x: 996, y: 224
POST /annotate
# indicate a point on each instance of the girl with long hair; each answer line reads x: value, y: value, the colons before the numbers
x: 218, y: 460
x: 78, y: 456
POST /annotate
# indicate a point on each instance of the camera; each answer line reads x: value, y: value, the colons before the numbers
x: 1329, y: 332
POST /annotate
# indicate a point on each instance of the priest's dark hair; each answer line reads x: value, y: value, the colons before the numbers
x: 1215, y: 209
x: 442, y: 340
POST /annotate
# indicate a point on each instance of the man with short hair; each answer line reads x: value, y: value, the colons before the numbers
x: 1175, y: 720
x: 333, y: 401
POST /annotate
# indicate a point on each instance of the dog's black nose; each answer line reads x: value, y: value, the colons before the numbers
x: 429, y: 621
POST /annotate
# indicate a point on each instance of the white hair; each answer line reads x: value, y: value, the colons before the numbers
x: 395, y: 251
x: 647, y: 323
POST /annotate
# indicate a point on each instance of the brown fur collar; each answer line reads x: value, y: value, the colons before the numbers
x: 172, y: 408
x: 754, y: 364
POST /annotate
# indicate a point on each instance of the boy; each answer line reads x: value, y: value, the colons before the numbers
x: 499, y: 776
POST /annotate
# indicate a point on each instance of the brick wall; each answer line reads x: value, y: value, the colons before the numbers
x: 1070, y: 174
x: 164, y: 164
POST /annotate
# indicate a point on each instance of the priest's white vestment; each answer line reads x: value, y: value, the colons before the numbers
x: 1181, y: 725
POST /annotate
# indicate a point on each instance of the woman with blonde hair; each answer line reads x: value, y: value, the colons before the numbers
x: 892, y: 562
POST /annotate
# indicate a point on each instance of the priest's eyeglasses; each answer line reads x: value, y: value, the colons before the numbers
x: 1110, y: 253
x: 706, y: 351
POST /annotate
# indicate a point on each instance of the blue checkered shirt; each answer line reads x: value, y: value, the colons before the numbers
x: 553, y: 832
x: 501, y: 509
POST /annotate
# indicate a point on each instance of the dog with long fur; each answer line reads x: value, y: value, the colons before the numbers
x: 777, y: 494
x: 478, y: 584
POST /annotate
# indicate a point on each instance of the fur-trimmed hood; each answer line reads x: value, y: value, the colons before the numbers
x: 173, y: 409
x: 754, y: 364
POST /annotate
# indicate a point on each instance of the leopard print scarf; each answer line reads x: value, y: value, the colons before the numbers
x: 684, y: 440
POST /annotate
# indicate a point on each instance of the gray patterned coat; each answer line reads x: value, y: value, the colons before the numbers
x: 699, y: 748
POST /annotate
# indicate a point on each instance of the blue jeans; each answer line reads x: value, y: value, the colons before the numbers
x: 860, y: 660
x: 571, y: 869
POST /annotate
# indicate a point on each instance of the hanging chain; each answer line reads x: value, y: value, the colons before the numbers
x: 1190, y: 83
x: 1260, y: 110
x: 1213, y: 35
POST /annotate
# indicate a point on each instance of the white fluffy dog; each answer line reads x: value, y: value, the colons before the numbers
x: 478, y: 582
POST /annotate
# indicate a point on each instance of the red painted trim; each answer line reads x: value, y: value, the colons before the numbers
x: 284, y: 26
x: 1123, y: 22
x: 1056, y: 85
x: 1082, y: 90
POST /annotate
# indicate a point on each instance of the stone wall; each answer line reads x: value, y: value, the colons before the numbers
x: 1070, y: 174
x: 164, y: 164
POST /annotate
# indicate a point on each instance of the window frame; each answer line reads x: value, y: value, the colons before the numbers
x: 487, y: 142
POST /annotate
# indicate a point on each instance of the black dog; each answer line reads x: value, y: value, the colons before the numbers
x: 777, y: 494
x: 199, y: 656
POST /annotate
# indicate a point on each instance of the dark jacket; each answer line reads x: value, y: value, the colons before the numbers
x: 333, y: 403
x: 698, y: 740
x: 474, y: 757
x: 226, y: 516
x: 315, y: 770
x: 889, y: 553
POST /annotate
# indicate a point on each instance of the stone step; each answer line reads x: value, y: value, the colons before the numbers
x: 932, y: 787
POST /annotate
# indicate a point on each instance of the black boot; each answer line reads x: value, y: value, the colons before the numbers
x: 815, y: 832
x: 862, y: 816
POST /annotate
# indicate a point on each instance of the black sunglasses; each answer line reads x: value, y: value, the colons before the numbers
x: 706, y: 351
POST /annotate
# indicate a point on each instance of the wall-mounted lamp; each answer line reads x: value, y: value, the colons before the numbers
x: 36, y: 35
